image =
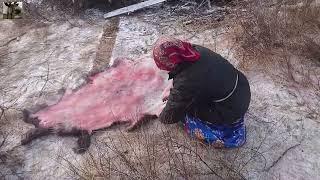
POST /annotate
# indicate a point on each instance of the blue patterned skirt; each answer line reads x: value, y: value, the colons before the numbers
x: 219, y: 136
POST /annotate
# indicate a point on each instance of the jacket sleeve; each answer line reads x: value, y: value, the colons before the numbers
x: 179, y: 100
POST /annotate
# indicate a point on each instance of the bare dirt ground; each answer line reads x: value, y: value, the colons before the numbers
x: 37, y: 59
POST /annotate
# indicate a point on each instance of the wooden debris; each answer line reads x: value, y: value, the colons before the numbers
x: 132, y: 8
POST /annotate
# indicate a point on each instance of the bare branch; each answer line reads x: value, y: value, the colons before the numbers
x: 281, y: 156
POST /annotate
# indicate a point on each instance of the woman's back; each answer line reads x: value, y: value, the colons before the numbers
x: 209, y: 79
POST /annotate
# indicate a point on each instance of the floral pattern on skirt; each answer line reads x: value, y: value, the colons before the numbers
x: 219, y: 136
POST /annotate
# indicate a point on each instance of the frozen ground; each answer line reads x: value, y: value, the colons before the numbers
x: 283, y: 137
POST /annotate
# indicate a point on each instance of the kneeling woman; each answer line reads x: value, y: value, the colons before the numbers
x: 208, y: 95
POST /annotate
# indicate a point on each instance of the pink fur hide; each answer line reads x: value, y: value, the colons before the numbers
x: 123, y: 93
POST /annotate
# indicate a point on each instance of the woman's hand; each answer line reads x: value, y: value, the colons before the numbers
x: 165, y: 97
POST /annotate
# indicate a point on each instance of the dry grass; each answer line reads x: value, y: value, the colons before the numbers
x: 166, y: 152
x: 282, y: 28
x: 149, y: 154
x: 282, y: 39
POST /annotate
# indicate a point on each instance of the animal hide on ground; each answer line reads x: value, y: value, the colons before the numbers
x: 127, y: 92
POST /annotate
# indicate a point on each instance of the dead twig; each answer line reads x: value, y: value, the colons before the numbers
x: 201, y: 4
x: 47, y: 75
x: 4, y: 139
x: 12, y: 39
x: 200, y: 158
x: 2, y: 112
x: 281, y: 156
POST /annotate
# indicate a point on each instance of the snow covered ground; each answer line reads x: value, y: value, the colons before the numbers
x: 40, y: 58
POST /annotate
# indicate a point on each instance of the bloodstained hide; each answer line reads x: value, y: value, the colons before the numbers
x: 122, y: 93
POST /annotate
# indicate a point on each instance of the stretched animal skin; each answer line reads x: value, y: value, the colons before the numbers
x: 126, y: 92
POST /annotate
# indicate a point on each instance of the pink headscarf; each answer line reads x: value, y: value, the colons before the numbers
x: 168, y: 52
